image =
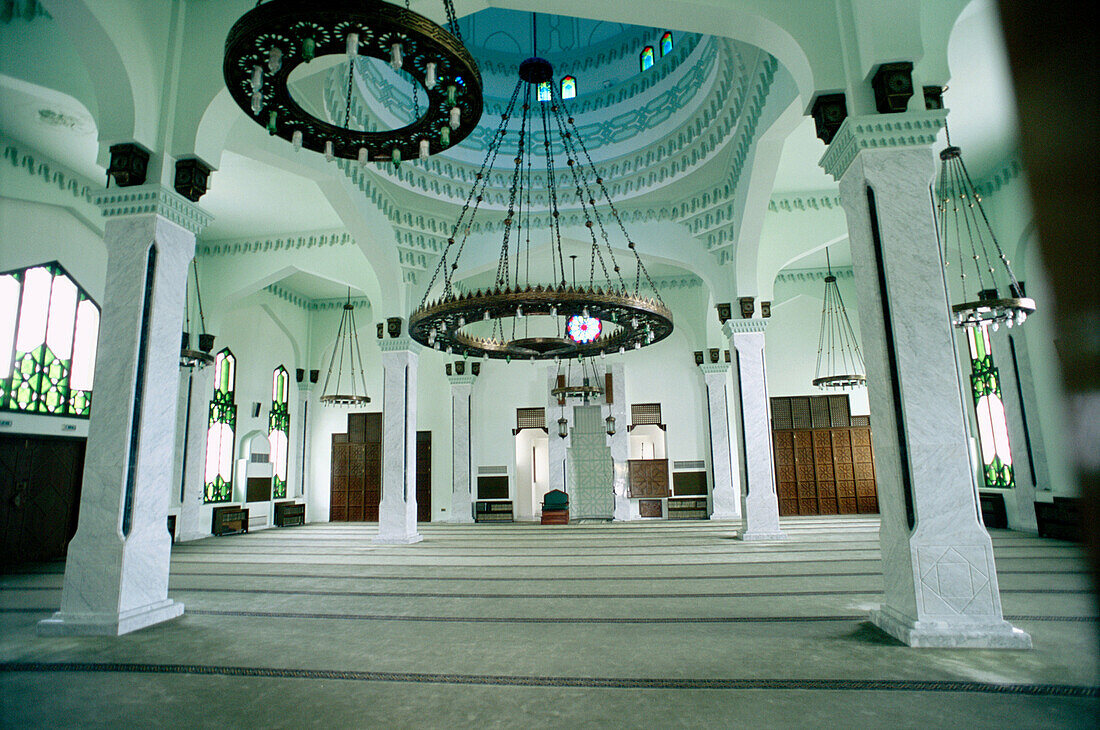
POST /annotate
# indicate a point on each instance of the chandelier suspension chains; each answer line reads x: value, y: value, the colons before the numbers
x: 839, y: 360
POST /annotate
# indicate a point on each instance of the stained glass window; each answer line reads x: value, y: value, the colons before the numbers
x: 49, y: 329
x: 278, y: 430
x: 544, y: 91
x: 666, y: 44
x: 568, y: 87
x: 647, y: 58
x: 583, y: 330
x: 219, y: 434
x: 985, y: 382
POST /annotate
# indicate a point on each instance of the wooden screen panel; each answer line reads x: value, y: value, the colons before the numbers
x: 650, y: 508
x: 864, y: 467
x: 357, y: 427
x: 805, y: 477
x: 649, y: 478
x: 424, y: 476
x: 372, y: 480
x: 784, y: 472
x: 338, y: 496
x: 845, y: 475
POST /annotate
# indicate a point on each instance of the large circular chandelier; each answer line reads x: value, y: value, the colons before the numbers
x: 839, y: 361
x: 268, y: 42
x: 992, y: 296
x: 542, y: 316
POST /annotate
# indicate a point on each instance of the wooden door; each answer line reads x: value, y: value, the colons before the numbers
x: 40, y: 492
x: 845, y: 473
x: 423, y: 476
x: 357, y: 470
x: 864, y: 467
x: 786, y: 484
x: 824, y: 472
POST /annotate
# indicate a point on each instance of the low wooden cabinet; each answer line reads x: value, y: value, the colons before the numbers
x: 493, y: 511
x: 231, y: 520
x: 289, y: 514
x: 687, y: 508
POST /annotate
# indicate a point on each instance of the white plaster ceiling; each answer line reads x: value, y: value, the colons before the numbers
x: 311, y: 286
x: 252, y: 199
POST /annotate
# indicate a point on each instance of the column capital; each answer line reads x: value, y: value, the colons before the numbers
x: 398, y: 344
x: 880, y: 131
x: 460, y: 380
x: 715, y: 368
x: 156, y: 199
x: 744, y: 326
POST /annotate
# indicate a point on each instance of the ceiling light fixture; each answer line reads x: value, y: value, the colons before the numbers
x: 345, y: 350
x: 525, y: 316
x: 268, y: 42
x: 993, y: 296
x: 839, y: 361
x: 201, y: 357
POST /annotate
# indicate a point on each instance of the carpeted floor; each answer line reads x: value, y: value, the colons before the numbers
x: 593, y: 625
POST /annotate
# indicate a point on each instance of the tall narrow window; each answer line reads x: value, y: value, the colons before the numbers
x: 985, y: 382
x: 647, y: 58
x: 49, y: 328
x: 278, y: 430
x: 219, y: 434
x: 666, y: 44
x: 544, y: 91
x: 568, y: 87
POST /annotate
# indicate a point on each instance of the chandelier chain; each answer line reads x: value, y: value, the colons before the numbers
x: 555, y: 219
x: 503, y: 264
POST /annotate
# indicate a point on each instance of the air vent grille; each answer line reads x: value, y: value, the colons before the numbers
x: 689, y: 465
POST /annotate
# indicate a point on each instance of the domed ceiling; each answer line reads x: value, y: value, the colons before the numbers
x: 645, y: 129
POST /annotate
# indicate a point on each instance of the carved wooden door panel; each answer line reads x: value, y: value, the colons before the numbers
x: 784, y: 473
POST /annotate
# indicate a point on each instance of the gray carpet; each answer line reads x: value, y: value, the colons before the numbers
x: 593, y: 625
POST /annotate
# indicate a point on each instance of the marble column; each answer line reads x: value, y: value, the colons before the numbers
x: 116, y: 573
x: 619, y: 443
x: 760, y: 503
x: 191, y: 524
x: 726, y: 504
x: 397, y: 510
x: 940, y: 579
x: 556, y: 446
x: 461, y: 447
x: 302, y: 442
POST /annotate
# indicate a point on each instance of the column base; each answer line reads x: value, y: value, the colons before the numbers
x: 109, y: 624
x: 758, y: 536
x: 946, y: 635
x: 397, y: 539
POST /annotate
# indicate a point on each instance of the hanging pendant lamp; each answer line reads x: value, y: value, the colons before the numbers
x: 345, y: 381
x: 991, y: 294
x: 270, y: 41
x: 201, y: 357
x: 537, y: 315
x: 839, y: 362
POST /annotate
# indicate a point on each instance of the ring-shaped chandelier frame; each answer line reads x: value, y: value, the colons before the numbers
x: 288, y: 24
x: 640, y: 321
x: 447, y: 323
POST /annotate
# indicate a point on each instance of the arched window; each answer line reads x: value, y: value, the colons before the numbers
x: 568, y: 87
x: 278, y: 430
x: 49, y: 329
x: 666, y: 44
x: 543, y: 91
x: 647, y: 58
x: 985, y: 383
x: 219, y: 434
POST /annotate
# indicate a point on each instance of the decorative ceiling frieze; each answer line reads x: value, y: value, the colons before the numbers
x: 313, y: 305
x: 53, y: 174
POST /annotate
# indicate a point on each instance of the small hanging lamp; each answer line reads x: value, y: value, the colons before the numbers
x: 610, y: 423
x: 201, y: 357
x: 348, y: 388
x: 839, y: 362
x: 563, y: 425
x: 992, y: 296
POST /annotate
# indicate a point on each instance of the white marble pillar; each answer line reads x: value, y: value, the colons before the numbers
x: 462, y: 510
x: 760, y: 503
x: 940, y: 579
x: 619, y: 443
x: 397, y: 510
x: 191, y: 525
x: 556, y: 446
x: 302, y: 441
x: 116, y: 572
x: 725, y: 500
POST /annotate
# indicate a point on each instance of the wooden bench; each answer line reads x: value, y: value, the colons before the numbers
x: 555, y: 508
